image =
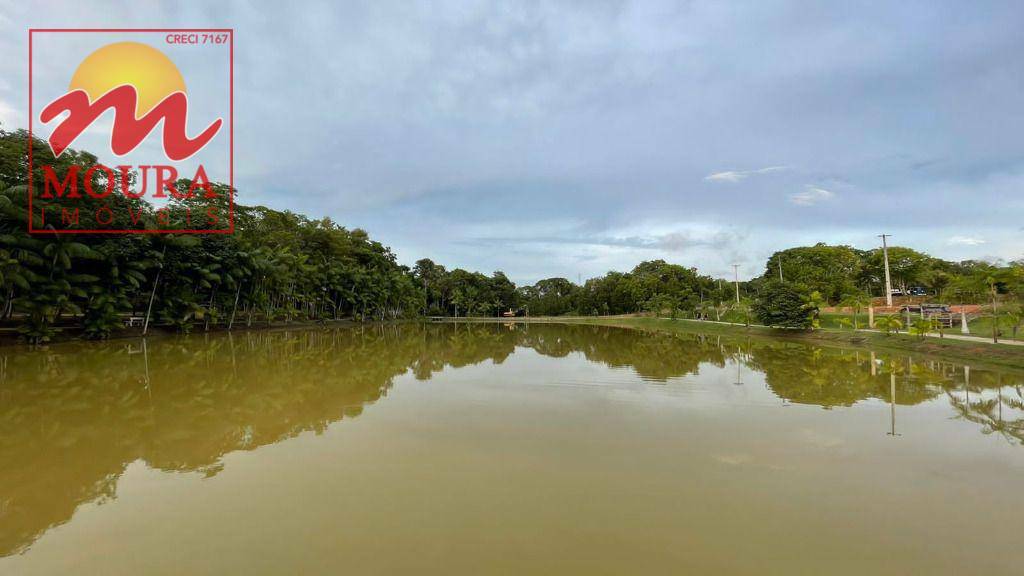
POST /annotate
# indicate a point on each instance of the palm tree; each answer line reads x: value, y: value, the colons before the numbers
x: 856, y: 301
x: 62, y: 249
x: 744, y: 307
x: 815, y: 302
x: 14, y: 274
x: 922, y: 326
x: 890, y: 323
x: 1016, y: 317
x: 61, y: 289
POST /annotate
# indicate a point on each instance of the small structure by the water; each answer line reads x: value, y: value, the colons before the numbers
x: 940, y: 313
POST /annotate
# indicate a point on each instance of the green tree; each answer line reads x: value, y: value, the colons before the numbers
x: 784, y: 305
x: 830, y: 270
x: 907, y: 268
x: 889, y: 323
x: 856, y: 302
x: 921, y: 327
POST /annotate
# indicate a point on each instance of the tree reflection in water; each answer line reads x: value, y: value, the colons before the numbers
x: 997, y: 407
x: 74, y: 416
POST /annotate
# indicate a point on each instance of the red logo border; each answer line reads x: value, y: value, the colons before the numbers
x: 231, y: 130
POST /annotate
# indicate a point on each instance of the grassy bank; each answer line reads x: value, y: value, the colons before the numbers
x: 995, y: 355
x: 981, y: 326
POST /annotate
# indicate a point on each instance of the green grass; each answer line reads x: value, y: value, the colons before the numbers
x: 831, y: 320
x: 983, y: 327
x: 979, y: 326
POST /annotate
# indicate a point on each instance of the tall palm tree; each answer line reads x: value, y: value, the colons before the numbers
x: 856, y: 301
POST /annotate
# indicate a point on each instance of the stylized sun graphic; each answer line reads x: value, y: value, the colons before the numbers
x: 151, y: 72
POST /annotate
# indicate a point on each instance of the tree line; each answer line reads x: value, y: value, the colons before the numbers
x: 282, y: 266
x: 277, y: 265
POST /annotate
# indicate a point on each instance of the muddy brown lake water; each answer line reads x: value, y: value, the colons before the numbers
x: 500, y: 449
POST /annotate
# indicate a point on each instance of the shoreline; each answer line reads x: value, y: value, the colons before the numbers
x: 975, y: 352
x: 1001, y: 355
x: 10, y: 338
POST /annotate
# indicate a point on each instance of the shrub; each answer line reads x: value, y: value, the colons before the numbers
x: 784, y: 305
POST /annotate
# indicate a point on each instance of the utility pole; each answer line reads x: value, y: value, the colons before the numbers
x: 888, y: 282
x: 736, y: 278
x: 780, y: 270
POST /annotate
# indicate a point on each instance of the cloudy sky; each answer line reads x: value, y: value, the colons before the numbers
x: 565, y: 139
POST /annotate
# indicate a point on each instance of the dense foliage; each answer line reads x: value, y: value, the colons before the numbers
x: 837, y: 272
x: 277, y: 265
x: 462, y: 293
x: 654, y: 286
x: 282, y: 266
x: 784, y: 305
x: 830, y: 270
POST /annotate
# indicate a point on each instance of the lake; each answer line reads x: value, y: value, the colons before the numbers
x: 503, y: 449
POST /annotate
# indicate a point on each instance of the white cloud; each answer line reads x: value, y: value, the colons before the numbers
x: 733, y: 176
x: 725, y: 177
x: 8, y: 117
x: 966, y: 241
x: 810, y: 196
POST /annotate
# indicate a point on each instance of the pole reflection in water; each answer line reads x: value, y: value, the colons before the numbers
x: 892, y: 404
x: 967, y: 383
x: 739, y: 366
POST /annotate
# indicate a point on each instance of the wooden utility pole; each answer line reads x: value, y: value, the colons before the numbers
x: 888, y: 282
x: 736, y: 280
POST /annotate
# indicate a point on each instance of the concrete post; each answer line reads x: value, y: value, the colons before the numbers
x: 888, y: 282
